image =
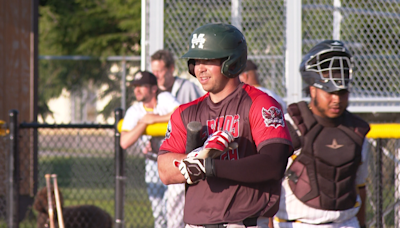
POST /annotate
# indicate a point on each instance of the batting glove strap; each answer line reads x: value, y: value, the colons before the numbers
x: 209, y: 165
x: 193, y: 169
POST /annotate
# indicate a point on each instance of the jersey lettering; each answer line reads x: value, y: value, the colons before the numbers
x: 198, y: 40
x: 229, y: 123
x: 230, y: 155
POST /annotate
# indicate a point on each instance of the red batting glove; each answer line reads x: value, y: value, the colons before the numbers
x: 219, y: 140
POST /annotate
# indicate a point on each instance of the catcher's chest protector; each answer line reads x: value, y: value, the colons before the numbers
x: 323, y: 175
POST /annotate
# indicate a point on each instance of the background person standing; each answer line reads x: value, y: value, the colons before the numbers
x: 152, y: 107
x: 250, y: 76
x: 163, y: 66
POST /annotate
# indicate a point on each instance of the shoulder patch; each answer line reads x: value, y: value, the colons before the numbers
x: 273, y: 117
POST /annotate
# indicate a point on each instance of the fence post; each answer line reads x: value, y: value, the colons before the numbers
x: 119, y: 173
x: 378, y: 185
x: 13, y: 172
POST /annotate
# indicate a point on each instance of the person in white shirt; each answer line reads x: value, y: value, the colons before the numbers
x: 153, y: 106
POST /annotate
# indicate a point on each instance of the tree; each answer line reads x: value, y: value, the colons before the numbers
x: 88, y: 28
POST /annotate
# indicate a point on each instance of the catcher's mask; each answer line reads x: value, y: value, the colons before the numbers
x: 327, y: 66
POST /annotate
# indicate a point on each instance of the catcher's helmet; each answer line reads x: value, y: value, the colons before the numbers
x: 327, y: 66
x: 218, y: 41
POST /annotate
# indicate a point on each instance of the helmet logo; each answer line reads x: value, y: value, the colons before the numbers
x: 198, y: 40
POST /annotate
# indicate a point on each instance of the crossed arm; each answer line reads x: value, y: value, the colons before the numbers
x: 268, y: 164
x: 128, y: 138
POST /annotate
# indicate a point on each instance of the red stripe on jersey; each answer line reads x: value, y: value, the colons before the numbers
x: 175, y: 141
x: 266, y: 117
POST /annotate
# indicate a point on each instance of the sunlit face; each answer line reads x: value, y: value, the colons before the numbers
x: 328, y: 105
x: 208, y: 73
x: 144, y: 93
x: 163, y: 74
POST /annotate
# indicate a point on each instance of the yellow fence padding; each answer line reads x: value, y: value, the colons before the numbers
x: 391, y: 130
x: 157, y: 129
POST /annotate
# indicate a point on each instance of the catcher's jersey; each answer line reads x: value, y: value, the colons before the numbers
x: 254, y: 120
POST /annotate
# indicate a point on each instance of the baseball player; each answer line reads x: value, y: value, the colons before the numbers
x: 163, y: 66
x: 152, y: 107
x: 250, y: 76
x: 227, y: 186
x: 324, y: 184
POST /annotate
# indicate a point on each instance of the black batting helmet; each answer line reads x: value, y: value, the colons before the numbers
x: 327, y: 66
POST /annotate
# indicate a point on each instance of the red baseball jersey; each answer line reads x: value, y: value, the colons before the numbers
x: 254, y: 119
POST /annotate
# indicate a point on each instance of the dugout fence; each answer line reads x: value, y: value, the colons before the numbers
x: 93, y: 169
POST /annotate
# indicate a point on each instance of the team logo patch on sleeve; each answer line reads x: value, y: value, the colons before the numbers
x: 273, y: 117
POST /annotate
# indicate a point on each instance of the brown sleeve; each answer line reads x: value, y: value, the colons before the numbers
x: 269, y: 164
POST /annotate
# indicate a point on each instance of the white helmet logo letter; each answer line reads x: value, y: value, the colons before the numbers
x: 198, y: 40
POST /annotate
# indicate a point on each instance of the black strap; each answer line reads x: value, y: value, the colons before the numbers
x: 250, y: 222
x: 247, y: 223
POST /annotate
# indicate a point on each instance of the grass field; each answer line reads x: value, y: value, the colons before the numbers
x: 91, y: 180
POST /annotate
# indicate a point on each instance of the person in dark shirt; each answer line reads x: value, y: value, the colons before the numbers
x: 236, y: 186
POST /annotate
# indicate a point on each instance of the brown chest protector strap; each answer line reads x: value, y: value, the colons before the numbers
x: 307, y: 124
x: 299, y: 114
x: 307, y: 159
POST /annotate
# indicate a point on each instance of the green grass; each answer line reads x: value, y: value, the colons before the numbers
x: 84, y: 180
x: 137, y: 207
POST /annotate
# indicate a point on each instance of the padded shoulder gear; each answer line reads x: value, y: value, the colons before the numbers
x: 218, y: 41
x: 304, y: 122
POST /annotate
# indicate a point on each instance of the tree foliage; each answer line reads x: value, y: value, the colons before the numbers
x: 85, y: 28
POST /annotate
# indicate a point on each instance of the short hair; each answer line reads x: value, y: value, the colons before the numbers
x: 250, y: 65
x: 165, y: 56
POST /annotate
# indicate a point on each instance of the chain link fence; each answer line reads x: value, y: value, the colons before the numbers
x: 4, y: 148
x: 369, y: 28
x: 383, y: 183
x: 84, y: 158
